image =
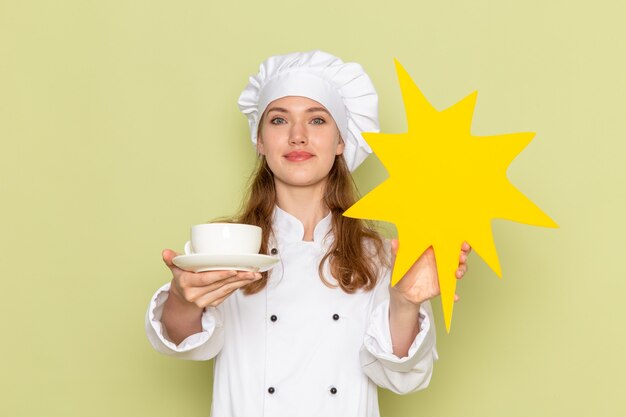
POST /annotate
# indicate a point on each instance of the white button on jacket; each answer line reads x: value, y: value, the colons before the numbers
x: 298, y: 347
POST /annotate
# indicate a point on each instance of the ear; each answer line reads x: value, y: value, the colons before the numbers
x: 341, y: 146
x: 260, y: 148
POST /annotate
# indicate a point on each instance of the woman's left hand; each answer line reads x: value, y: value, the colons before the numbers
x: 421, y: 282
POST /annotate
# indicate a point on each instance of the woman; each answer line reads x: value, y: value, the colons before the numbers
x: 316, y: 335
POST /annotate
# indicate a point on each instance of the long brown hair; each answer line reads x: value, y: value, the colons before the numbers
x: 357, y: 250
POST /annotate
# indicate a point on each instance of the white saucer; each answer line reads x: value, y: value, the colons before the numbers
x: 200, y: 262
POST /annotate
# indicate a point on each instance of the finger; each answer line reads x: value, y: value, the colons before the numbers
x: 228, y: 293
x: 192, y: 284
x: 219, y: 301
x: 231, y: 276
x: 210, y: 277
x: 195, y: 292
x: 168, y: 255
x: 465, y: 247
x: 456, y: 298
x: 243, y: 276
x: 461, y: 271
x: 219, y: 294
x: 249, y: 275
x: 395, y: 245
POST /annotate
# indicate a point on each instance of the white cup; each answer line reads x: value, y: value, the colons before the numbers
x: 224, y: 238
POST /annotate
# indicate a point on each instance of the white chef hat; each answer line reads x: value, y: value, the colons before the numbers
x: 343, y: 88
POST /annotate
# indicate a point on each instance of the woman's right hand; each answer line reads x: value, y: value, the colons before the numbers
x: 204, y: 289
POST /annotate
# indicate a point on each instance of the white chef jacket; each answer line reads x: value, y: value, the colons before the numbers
x: 298, y: 347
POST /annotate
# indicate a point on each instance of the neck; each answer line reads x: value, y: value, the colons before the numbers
x: 304, y: 203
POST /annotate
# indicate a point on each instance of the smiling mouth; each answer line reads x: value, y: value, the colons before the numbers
x: 298, y: 156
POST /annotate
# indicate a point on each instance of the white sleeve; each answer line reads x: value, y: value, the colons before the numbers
x: 400, y: 375
x: 199, y: 346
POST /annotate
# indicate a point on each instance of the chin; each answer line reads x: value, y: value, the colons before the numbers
x: 302, y: 181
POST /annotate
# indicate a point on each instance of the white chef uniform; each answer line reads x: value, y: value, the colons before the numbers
x: 298, y: 347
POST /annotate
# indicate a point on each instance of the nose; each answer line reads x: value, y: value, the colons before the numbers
x: 298, y: 134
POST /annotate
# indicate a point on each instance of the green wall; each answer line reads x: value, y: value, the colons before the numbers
x: 119, y: 129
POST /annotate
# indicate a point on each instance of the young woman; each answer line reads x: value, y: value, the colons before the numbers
x: 317, y: 334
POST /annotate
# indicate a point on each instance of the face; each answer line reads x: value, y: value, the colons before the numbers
x: 299, y: 139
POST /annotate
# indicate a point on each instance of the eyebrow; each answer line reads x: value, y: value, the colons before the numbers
x: 309, y: 110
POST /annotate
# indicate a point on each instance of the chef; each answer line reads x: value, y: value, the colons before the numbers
x: 318, y: 333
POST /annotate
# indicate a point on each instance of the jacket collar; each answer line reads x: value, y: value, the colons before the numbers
x: 289, y: 229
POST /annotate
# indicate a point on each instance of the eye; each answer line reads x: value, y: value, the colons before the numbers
x: 278, y: 121
x: 318, y: 121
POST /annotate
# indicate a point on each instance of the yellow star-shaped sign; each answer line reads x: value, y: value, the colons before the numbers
x: 444, y: 187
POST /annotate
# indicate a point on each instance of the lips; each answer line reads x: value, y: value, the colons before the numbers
x: 298, y: 156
